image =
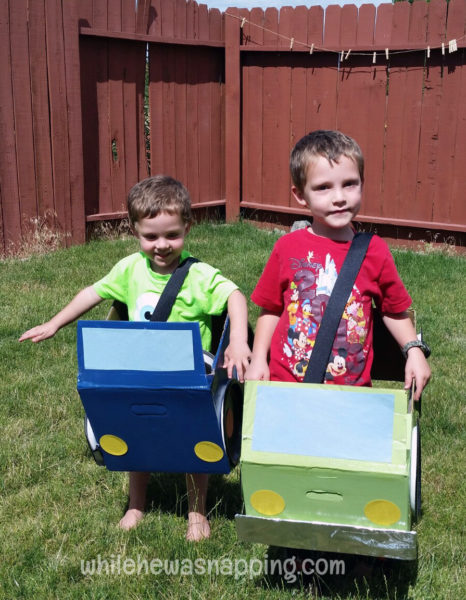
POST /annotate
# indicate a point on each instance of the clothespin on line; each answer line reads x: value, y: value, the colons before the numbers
x: 347, y: 54
x: 374, y: 58
x: 243, y: 22
x: 312, y: 49
x: 291, y: 43
x: 452, y: 46
x: 386, y: 53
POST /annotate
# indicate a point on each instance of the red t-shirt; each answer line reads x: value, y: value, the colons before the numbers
x: 296, y: 284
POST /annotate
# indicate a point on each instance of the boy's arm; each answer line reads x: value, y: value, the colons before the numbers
x: 81, y: 303
x: 259, y: 368
x: 417, y: 367
x: 237, y: 353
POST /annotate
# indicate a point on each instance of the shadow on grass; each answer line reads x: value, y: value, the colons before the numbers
x: 339, y: 575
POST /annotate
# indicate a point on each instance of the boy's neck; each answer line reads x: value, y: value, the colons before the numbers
x: 345, y: 234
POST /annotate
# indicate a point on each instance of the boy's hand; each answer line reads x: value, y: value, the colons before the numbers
x: 40, y: 332
x: 417, y: 369
x: 237, y: 354
x: 257, y: 370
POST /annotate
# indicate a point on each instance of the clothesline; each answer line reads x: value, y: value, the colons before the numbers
x: 344, y: 53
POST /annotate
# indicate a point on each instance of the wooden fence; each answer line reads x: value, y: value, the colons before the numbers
x: 95, y: 94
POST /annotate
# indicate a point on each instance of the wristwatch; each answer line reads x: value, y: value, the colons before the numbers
x: 416, y: 344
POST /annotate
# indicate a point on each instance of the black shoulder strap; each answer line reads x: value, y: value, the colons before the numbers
x: 167, y: 299
x: 320, y: 355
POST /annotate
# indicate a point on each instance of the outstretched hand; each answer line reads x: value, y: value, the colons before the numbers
x: 39, y: 333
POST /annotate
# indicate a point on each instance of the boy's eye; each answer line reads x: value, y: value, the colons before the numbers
x: 323, y: 186
x: 352, y: 183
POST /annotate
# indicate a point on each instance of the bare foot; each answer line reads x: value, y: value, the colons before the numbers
x: 131, y: 519
x: 198, y: 527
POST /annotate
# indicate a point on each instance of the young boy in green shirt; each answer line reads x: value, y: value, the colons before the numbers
x: 159, y: 211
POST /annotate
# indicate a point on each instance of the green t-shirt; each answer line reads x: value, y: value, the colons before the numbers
x: 204, y: 292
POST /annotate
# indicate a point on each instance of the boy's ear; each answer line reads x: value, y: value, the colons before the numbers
x: 298, y: 195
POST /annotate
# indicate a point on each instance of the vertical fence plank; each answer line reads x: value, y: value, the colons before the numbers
x: 100, y: 14
x: 168, y: 90
x: 156, y: 58
x: 181, y: 125
x: 40, y: 111
x: 155, y: 18
x: 315, y: 25
x: 204, y: 108
x: 9, y: 189
x: 180, y: 75
x: 75, y: 142
x: 216, y: 58
x: 88, y: 48
x: 180, y: 19
x: 192, y: 20
x: 372, y: 143
x: 397, y: 146
x: 285, y: 26
x: 299, y: 99
x: 271, y: 114
x: 203, y: 15
x: 192, y: 100
x: 322, y: 84
x: 457, y: 28
x: 23, y: 113
x: 412, y: 91
x: 450, y: 109
x: 117, y: 52
x: 252, y: 144
x: 58, y: 112
x: 128, y: 16
x: 232, y: 117
x: 114, y: 16
x: 349, y: 120
x: 143, y: 16
x: 104, y: 137
x: 428, y: 148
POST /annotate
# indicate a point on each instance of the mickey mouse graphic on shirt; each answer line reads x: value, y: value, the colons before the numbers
x: 309, y: 293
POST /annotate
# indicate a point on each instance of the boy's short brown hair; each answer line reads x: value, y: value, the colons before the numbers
x: 157, y: 194
x: 327, y: 143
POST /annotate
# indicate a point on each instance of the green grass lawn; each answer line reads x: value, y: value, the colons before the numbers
x: 57, y: 508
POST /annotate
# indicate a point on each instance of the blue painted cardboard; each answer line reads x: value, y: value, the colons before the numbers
x: 145, y: 384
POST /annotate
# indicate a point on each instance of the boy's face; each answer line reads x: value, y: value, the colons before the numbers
x: 162, y: 240
x: 333, y: 195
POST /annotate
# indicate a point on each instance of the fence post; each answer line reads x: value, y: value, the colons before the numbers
x: 232, y: 115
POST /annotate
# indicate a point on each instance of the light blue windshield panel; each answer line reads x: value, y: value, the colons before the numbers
x: 154, y: 350
x: 332, y: 424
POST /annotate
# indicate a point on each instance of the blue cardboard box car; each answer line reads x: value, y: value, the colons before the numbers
x: 150, y: 404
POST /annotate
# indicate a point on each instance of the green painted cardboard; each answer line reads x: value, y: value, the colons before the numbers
x: 331, y: 490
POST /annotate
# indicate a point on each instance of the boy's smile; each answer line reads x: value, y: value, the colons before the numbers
x: 162, y: 240
x: 333, y: 195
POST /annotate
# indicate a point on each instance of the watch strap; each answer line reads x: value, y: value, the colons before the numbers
x: 416, y: 344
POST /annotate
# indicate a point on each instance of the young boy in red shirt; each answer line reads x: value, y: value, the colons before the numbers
x: 327, y: 170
